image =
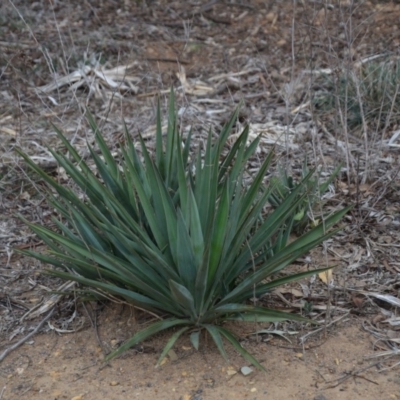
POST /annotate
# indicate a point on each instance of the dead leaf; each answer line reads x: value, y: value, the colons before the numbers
x: 172, y: 355
x: 271, y: 17
x: 294, y: 292
x: 25, y: 196
x: 394, y: 301
x: 393, y: 335
x: 326, y: 276
x: 358, y: 301
x: 8, y: 131
x: 378, y: 318
x: 320, y: 17
x: 163, y: 361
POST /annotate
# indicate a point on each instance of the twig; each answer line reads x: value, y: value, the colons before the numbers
x: 354, y: 374
x: 93, y: 322
x: 383, y: 369
x: 27, y: 337
x: 303, y: 338
x: 168, y: 60
x: 217, y: 20
x: 2, y: 391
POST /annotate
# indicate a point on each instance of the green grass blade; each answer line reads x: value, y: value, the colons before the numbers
x: 113, y: 182
x: 205, y: 184
x: 133, y: 297
x: 182, y: 181
x: 108, y: 157
x: 219, y: 233
x: 237, y: 147
x: 244, y: 312
x: 223, y: 136
x: 184, y: 298
x: 186, y: 149
x: 145, y: 333
x: 186, y: 262
x: 196, y: 232
x: 160, y: 160
x: 256, y: 186
x: 157, y: 188
x: 150, y: 213
x: 216, y: 336
x: 171, y: 343
x: 245, y: 354
x: 263, y: 289
x: 71, y: 150
x: 146, y: 283
x: 269, y: 227
x: 319, y: 230
x: 171, y: 139
x: 271, y: 266
x: 324, y: 186
x: 195, y: 339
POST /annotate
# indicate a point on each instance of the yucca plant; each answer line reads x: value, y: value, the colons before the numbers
x: 174, y: 233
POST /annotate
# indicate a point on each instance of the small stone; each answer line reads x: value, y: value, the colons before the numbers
x: 253, y: 390
x: 114, y: 383
x: 246, y: 371
x: 320, y: 397
x: 164, y: 361
x: 172, y: 355
x: 55, y: 374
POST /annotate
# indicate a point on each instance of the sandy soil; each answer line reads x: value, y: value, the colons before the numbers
x: 333, y: 367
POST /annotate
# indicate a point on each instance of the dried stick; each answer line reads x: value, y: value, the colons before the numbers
x: 23, y: 340
x: 351, y: 374
x: 323, y: 328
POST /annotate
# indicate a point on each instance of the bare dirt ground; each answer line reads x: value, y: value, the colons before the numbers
x: 215, y: 54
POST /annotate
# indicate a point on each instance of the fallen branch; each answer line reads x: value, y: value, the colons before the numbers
x: 23, y: 340
x: 351, y: 374
x: 303, y: 338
